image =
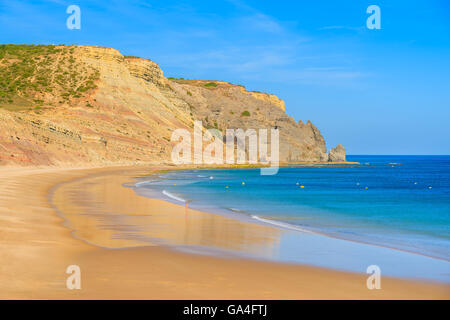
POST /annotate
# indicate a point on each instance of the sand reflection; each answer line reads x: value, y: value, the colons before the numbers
x: 104, y: 213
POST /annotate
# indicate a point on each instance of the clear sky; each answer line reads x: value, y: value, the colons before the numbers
x: 381, y: 91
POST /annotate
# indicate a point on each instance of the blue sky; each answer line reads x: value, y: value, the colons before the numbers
x: 375, y: 91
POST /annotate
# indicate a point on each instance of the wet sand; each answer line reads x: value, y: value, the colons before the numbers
x: 51, y: 218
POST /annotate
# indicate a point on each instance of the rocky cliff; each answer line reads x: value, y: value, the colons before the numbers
x: 83, y: 104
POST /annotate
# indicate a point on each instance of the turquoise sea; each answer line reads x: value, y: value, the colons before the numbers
x: 394, y: 202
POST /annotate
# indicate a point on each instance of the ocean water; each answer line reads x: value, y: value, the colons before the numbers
x: 403, y: 206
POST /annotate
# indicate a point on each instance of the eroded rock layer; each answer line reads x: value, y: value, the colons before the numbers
x: 129, y: 113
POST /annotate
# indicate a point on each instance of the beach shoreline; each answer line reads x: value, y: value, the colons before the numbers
x: 293, y: 238
x: 39, y: 246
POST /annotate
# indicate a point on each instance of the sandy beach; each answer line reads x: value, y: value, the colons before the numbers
x: 51, y: 218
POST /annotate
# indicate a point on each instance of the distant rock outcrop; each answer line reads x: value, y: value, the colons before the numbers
x: 337, y: 154
x: 126, y: 110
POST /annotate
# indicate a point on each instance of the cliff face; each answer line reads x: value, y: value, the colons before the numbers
x: 123, y: 110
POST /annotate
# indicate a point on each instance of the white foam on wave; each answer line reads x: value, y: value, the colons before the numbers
x: 281, y: 224
x: 172, y: 196
x: 143, y: 182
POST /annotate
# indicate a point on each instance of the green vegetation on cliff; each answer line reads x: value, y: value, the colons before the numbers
x: 33, y: 75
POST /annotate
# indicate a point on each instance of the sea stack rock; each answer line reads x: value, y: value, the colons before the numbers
x: 337, y: 154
